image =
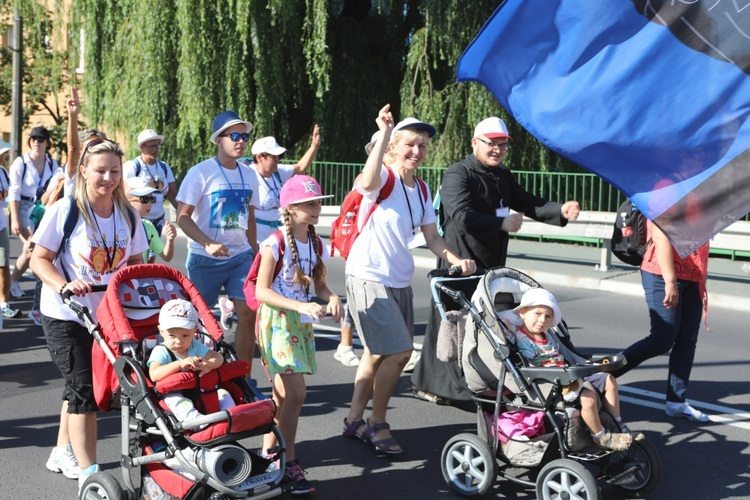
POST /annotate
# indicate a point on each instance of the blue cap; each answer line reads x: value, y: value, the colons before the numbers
x: 225, y: 120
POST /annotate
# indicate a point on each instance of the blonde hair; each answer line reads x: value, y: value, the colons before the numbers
x: 118, y: 195
x: 406, y: 134
x: 319, y: 270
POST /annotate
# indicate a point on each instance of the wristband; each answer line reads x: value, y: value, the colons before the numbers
x: 62, y: 288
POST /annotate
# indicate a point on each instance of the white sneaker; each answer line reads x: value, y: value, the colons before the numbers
x: 346, y: 356
x: 15, y: 289
x: 413, y: 360
x: 63, y: 460
x: 93, y: 469
x: 226, y: 307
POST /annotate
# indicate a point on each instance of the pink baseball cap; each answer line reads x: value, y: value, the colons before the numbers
x: 300, y: 189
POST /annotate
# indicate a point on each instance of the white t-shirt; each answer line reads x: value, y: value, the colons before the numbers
x: 221, y: 198
x: 88, y: 254
x: 283, y: 284
x: 4, y: 187
x: 28, y: 186
x: 157, y: 176
x: 381, y: 251
x: 269, y: 191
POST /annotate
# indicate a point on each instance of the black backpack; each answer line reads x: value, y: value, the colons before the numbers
x: 629, y: 240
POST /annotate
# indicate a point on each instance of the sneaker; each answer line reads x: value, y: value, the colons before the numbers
x: 297, y: 474
x: 227, y: 317
x: 684, y: 410
x: 346, y: 356
x: 413, y: 360
x: 15, y: 289
x: 10, y: 313
x: 63, y: 460
x: 268, y: 455
x: 91, y: 469
x: 746, y: 268
x: 36, y: 317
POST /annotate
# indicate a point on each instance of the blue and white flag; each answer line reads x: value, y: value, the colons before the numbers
x: 651, y: 95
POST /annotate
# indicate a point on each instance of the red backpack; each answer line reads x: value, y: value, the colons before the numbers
x: 345, y: 229
x: 252, y: 277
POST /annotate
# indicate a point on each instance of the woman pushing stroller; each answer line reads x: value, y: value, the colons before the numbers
x: 529, y: 324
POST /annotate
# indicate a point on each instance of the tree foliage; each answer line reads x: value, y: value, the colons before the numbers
x: 46, y: 72
x: 285, y: 65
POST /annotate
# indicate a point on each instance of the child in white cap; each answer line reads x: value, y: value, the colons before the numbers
x: 142, y: 197
x: 538, y: 311
x: 180, y: 351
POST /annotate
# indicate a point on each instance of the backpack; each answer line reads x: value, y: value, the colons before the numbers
x: 438, y: 213
x: 345, y: 229
x: 252, y: 277
x: 158, y: 163
x: 629, y: 240
x: 70, y: 224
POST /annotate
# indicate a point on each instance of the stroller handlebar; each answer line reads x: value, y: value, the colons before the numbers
x: 81, y: 311
x: 444, y: 271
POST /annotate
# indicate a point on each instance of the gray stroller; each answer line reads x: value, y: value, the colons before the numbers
x: 553, y: 451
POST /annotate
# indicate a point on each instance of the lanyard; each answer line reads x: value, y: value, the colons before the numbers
x: 243, y: 207
x: 408, y: 204
x: 153, y: 178
x: 110, y: 256
x: 274, y: 190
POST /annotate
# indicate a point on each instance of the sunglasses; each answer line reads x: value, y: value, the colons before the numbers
x: 145, y: 199
x: 38, y: 138
x: 236, y: 136
x: 89, y: 145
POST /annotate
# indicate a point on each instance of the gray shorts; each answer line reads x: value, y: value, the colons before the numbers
x: 4, y: 248
x: 384, y: 316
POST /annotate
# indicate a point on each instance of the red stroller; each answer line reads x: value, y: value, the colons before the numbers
x: 177, y: 461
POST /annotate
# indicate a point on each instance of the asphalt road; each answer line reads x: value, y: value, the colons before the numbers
x: 707, y: 461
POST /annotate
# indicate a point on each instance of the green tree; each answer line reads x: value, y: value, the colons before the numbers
x: 47, y: 71
x: 286, y: 65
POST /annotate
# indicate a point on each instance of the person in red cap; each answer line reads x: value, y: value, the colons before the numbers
x: 477, y: 196
x: 286, y: 314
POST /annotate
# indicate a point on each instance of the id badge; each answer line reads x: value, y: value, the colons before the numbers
x: 304, y: 318
x: 502, y: 212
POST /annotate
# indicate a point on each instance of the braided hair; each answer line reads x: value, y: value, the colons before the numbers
x: 319, y: 270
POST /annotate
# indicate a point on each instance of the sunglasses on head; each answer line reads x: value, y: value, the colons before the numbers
x: 92, y: 143
x: 145, y: 199
x: 236, y: 136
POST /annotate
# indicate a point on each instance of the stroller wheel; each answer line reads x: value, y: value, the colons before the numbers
x: 643, y: 461
x: 468, y: 465
x: 566, y: 478
x: 101, y: 486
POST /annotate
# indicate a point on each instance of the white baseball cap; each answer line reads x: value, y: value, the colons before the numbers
x: 137, y: 186
x: 371, y: 144
x: 491, y: 128
x: 412, y: 122
x: 178, y: 313
x: 540, y: 297
x: 148, y: 135
x: 267, y: 145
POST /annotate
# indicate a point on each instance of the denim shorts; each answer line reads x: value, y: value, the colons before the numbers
x: 209, y: 275
x: 69, y: 346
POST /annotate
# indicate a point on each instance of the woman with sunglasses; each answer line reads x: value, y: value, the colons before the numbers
x: 106, y: 238
x: 29, y: 176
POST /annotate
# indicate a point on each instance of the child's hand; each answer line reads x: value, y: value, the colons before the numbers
x: 194, y: 363
x: 334, y: 308
x: 169, y: 231
x: 204, y: 367
x: 311, y: 309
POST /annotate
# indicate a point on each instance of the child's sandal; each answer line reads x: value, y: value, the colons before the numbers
x: 637, y: 436
x: 614, y: 441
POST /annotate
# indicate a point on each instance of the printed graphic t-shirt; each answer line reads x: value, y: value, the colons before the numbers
x: 221, y: 198
x: 93, y: 254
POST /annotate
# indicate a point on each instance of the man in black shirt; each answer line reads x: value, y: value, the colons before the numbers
x: 476, y: 196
